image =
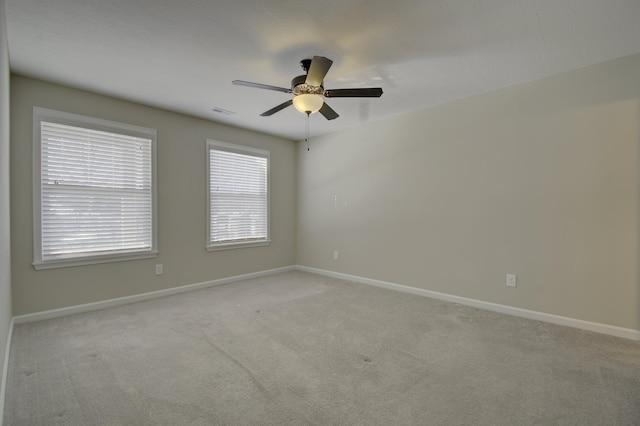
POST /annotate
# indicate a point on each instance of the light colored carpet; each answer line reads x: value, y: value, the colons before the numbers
x: 302, y: 349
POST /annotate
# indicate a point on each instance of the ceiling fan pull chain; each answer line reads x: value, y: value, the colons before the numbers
x: 306, y: 133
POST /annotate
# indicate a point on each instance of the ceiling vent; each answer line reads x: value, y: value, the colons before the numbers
x: 223, y: 111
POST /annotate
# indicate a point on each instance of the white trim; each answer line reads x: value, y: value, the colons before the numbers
x: 88, y: 260
x: 88, y: 307
x: 238, y: 149
x: 43, y: 114
x: 5, y: 371
x: 212, y: 144
x: 231, y: 246
x: 611, y: 330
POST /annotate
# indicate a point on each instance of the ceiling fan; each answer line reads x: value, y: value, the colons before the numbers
x: 308, y: 90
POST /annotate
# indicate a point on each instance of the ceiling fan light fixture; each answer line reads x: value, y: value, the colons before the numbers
x: 308, y: 103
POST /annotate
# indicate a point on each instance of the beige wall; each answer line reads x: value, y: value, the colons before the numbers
x: 181, y: 204
x: 5, y: 246
x: 540, y: 180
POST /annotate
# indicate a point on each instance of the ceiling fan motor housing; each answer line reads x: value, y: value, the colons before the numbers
x: 299, y: 87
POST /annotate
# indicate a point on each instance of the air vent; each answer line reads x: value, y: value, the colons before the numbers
x: 222, y: 111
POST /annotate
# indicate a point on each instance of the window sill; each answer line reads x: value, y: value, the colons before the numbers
x: 65, y: 263
x: 231, y: 246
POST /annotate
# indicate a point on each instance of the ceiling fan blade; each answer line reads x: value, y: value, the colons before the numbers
x: 277, y: 108
x: 371, y: 92
x: 260, y: 86
x: 317, y: 70
x: 328, y: 112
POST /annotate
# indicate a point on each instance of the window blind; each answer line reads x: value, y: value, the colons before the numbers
x: 96, y: 192
x: 238, y: 196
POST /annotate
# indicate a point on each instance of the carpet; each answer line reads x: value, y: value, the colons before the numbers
x: 302, y: 349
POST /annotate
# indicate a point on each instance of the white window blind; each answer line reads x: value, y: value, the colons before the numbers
x: 96, y: 194
x: 238, y: 196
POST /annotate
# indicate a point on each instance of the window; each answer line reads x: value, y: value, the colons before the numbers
x: 94, y: 190
x: 238, y: 196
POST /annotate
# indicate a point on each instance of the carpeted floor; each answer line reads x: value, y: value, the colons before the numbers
x: 302, y: 349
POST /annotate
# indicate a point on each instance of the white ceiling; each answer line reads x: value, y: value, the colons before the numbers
x: 183, y: 54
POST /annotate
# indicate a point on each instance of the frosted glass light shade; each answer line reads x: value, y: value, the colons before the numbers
x: 308, y: 103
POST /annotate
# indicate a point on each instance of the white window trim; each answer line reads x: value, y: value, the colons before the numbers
x: 241, y: 149
x: 44, y: 114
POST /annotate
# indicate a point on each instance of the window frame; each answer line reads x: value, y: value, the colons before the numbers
x: 65, y: 118
x: 244, y: 150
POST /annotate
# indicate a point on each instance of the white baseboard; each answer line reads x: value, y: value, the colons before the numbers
x: 626, y: 333
x: 5, y: 370
x: 611, y: 330
x: 87, y: 307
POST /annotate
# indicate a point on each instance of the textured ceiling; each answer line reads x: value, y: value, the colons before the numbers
x: 183, y: 54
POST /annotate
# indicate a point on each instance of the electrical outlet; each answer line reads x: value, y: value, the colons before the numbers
x: 159, y: 269
x: 511, y: 280
x: 335, y: 255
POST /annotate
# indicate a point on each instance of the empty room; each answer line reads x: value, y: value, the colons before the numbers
x: 320, y: 213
